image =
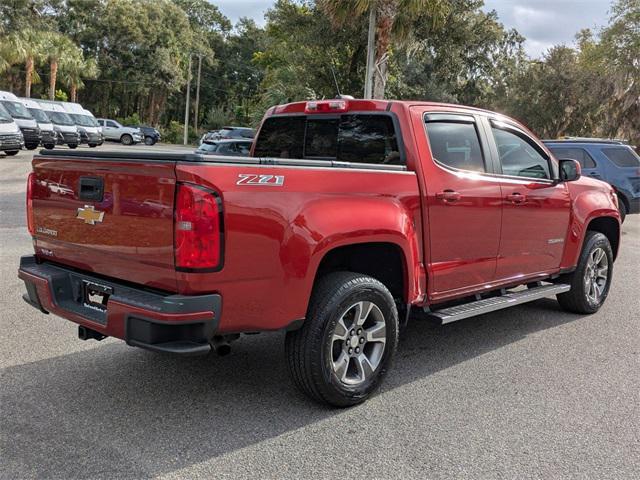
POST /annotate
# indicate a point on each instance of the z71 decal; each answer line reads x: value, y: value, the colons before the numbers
x: 265, y: 180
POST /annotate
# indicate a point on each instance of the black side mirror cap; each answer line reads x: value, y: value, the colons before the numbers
x: 570, y: 170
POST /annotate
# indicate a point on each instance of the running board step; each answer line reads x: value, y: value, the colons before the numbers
x: 486, y: 305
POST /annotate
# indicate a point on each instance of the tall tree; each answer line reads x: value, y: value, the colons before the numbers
x: 75, y: 70
x: 393, y: 23
x: 24, y: 47
x: 60, y: 50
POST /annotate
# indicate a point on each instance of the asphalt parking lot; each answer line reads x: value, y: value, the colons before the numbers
x: 528, y: 392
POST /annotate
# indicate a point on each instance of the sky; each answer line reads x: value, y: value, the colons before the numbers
x: 543, y: 23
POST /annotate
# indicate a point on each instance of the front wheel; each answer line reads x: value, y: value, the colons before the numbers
x: 31, y: 146
x: 93, y: 145
x: 11, y: 153
x: 73, y: 145
x: 591, y: 280
x: 347, y: 342
x: 149, y: 141
x: 49, y: 146
x: 126, y: 139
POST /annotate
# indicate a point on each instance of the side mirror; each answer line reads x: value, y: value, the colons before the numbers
x: 570, y: 169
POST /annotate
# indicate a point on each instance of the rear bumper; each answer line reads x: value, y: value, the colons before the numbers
x: 166, y: 323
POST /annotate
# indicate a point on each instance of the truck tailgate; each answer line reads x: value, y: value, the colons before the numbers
x: 108, y: 216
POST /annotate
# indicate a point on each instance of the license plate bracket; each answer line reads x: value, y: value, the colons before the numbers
x: 95, y: 295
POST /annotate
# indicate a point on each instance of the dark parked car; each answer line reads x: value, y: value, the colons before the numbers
x: 613, y: 161
x: 238, y: 148
x: 151, y: 135
x: 229, y: 132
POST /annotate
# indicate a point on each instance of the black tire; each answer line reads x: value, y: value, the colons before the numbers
x: 310, y: 350
x: 73, y: 146
x: 49, y: 146
x: 126, y: 139
x: 577, y: 300
x: 31, y: 146
x: 93, y: 145
x: 11, y: 153
x: 149, y: 141
x: 622, y: 208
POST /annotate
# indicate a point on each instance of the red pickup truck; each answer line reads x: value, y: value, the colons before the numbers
x: 349, y: 218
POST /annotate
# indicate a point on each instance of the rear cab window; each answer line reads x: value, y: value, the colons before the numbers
x: 349, y: 137
x: 622, y: 156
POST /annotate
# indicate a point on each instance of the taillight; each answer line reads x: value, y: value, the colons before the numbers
x: 30, y: 186
x: 198, y: 236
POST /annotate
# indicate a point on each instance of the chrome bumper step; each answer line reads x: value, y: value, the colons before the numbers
x: 486, y: 305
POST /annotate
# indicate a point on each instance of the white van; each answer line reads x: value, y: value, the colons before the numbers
x: 49, y: 136
x: 90, y: 132
x: 63, y: 124
x: 28, y: 125
x: 11, y: 140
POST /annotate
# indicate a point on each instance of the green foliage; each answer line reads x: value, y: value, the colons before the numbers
x: 174, y: 133
x: 61, y: 96
x: 217, y: 118
x: 133, y: 119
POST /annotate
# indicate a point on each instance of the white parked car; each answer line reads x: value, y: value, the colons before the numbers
x: 11, y: 139
x: 63, y: 124
x: 28, y: 125
x: 113, y: 130
x: 47, y: 130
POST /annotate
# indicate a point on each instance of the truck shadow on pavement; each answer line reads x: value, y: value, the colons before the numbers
x: 115, y: 411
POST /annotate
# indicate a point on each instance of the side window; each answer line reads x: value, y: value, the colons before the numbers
x: 579, y: 154
x: 111, y: 124
x: 456, y: 145
x: 518, y: 157
x: 622, y: 156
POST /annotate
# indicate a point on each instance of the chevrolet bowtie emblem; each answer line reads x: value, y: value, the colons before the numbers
x: 89, y: 215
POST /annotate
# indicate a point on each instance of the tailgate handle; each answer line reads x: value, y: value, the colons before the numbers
x: 91, y: 188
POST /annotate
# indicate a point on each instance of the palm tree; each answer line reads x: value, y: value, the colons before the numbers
x: 59, y: 50
x: 24, y: 46
x: 74, y: 70
x: 393, y: 20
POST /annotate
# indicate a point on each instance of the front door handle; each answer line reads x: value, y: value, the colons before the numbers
x: 516, y: 198
x: 448, y: 196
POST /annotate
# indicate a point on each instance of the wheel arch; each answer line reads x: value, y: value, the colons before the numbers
x: 610, y: 228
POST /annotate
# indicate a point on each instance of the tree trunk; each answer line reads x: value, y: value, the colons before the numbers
x: 74, y: 92
x: 52, y: 79
x: 27, y: 79
x: 383, y: 40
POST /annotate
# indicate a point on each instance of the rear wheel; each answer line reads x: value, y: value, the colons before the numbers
x: 49, y: 146
x: 31, y: 146
x: 347, y: 342
x: 126, y: 139
x: 11, y: 153
x: 591, y: 280
x: 93, y: 145
x: 73, y: 145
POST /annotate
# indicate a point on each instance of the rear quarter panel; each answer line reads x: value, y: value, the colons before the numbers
x: 276, y: 236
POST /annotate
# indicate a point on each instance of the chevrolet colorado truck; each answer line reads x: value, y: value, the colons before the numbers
x: 349, y: 218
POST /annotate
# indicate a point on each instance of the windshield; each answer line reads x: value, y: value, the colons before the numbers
x: 4, y: 115
x: 39, y: 115
x: 82, y: 120
x: 60, y: 118
x: 16, y: 109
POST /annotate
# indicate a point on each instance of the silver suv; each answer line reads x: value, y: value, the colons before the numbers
x: 112, y: 130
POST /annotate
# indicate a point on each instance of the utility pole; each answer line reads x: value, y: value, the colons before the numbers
x: 195, y: 117
x: 186, y: 105
x: 371, y: 40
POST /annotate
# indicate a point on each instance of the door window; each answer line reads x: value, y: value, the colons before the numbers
x: 518, y: 157
x: 579, y: 154
x: 456, y: 145
x: 111, y: 124
x: 622, y: 156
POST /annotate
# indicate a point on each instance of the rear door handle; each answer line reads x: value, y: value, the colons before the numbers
x: 516, y: 198
x: 448, y: 196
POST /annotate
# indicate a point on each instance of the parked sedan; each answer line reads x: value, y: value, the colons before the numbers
x: 239, y: 148
x: 151, y: 135
x: 229, y: 133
